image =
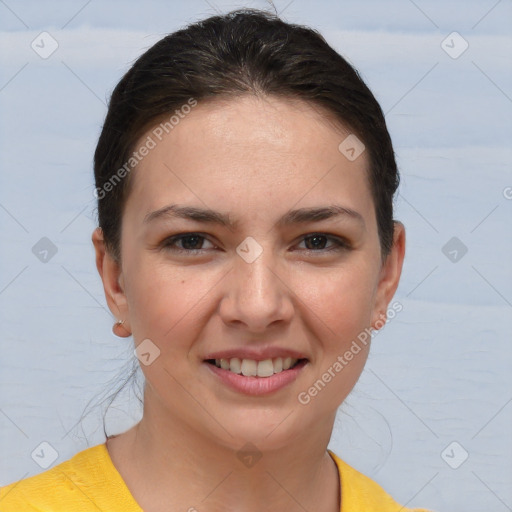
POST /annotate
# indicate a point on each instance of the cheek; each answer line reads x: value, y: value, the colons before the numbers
x: 342, y: 304
x: 342, y: 300
x: 167, y: 302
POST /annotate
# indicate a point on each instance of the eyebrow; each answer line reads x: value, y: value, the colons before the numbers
x: 298, y: 216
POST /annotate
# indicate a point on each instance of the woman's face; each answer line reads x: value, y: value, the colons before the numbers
x: 263, y: 288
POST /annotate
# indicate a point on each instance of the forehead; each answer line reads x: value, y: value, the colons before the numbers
x: 249, y: 150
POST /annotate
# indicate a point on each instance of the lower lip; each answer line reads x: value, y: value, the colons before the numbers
x: 257, y: 386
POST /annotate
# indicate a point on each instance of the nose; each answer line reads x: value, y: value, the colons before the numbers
x: 257, y: 296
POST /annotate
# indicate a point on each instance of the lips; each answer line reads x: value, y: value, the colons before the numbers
x: 256, y: 371
x: 259, y: 384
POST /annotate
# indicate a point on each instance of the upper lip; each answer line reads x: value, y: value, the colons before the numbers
x: 256, y: 354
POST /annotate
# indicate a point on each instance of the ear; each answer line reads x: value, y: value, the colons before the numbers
x: 389, y: 277
x: 113, y: 282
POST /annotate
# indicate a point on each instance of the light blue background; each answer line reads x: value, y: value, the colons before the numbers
x: 438, y: 373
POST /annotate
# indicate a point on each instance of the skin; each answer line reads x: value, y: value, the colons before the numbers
x: 254, y: 158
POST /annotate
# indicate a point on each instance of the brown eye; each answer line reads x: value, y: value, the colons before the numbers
x: 316, y: 242
x: 191, y: 243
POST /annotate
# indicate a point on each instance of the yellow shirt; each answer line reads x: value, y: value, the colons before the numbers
x: 89, y: 482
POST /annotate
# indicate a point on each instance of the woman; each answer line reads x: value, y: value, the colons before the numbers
x: 245, y: 179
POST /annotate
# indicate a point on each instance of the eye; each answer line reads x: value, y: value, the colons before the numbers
x: 191, y: 243
x: 316, y: 242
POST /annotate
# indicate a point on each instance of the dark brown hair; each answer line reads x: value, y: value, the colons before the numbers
x: 246, y: 51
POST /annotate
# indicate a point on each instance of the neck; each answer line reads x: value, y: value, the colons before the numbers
x: 167, y: 465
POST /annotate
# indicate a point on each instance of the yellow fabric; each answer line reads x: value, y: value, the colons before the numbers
x: 89, y: 482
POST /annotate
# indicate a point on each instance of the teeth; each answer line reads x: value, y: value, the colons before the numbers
x: 249, y: 368
x: 235, y: 365
x: 252, y: 368
x: 265, y: 368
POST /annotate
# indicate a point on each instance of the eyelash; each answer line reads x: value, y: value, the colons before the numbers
x: 340, y: 244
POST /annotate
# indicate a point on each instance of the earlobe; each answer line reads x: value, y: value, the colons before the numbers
x: 111, y: 276
x: 389, y: 276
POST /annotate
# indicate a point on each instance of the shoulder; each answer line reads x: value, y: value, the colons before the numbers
x: 359, y: 492
x: 85, y: 482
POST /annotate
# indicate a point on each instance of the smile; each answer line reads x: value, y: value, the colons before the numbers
x: 253, y: 368
x: 256, y: 378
